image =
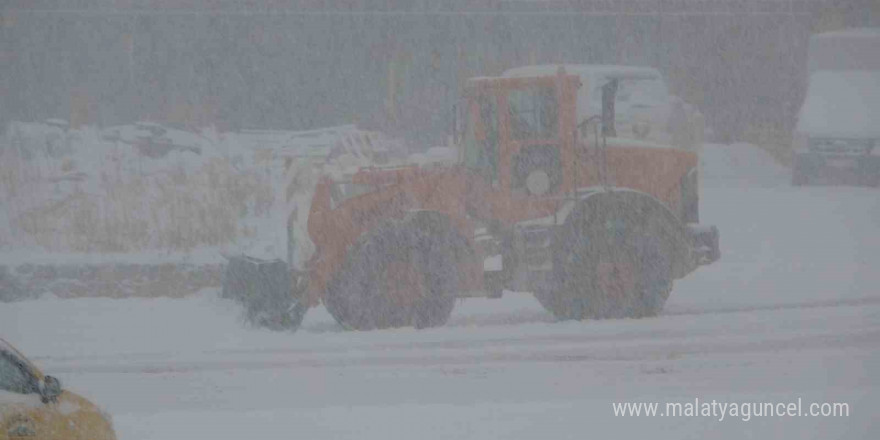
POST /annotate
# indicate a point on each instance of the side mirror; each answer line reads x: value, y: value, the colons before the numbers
x: 459, y: 121
x: 50, y: 390
x: 455, y: 124
x: 588, y: 124
x: 609, y: 96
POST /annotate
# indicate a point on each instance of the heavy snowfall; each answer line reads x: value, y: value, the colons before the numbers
x: 132, y: 176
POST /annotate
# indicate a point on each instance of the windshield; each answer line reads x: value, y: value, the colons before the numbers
x: 481, y: 138
x: 533, y: 113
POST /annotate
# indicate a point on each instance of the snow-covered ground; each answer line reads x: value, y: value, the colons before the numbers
x: 792, y: 311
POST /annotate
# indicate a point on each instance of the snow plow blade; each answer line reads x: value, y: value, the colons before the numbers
x: 264, y: 288
x: 705, y: 244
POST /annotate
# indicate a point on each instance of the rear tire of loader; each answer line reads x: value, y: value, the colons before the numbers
x: 608, y: 263
x: 398, y: 275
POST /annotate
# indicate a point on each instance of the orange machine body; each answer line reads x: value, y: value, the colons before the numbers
x: 472, y: 197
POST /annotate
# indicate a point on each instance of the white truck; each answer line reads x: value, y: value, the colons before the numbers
x: 838, y: 130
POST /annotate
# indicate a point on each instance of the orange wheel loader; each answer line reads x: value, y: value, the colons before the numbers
x: 533, y: 200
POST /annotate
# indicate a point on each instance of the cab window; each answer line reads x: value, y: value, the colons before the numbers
x: 14, y: 377
x: 481, y: 143
x: 533, y: 113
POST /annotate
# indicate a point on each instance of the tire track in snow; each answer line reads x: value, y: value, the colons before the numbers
x: 774, y: 330
x: 865, y: 301
x: 637, y: 329
x: 868, y: 340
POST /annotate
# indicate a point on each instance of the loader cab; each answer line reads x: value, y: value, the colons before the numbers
x: 518, y: 134
x: 633, y: 101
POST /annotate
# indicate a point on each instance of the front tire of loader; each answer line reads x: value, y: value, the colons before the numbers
x: 608, y: 263
x: 398, y: 275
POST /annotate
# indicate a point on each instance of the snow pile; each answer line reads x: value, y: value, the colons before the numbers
x: 109, y: 192
x: 145, y: 187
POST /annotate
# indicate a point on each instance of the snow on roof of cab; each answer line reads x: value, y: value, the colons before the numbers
x: 608, y: 70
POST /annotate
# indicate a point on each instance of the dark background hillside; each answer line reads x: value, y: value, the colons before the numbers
x: 395, y: 65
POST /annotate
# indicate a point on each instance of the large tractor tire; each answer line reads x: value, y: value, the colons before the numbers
x: 610, y: 260
x: 400, y: 274
x: 267, y: 291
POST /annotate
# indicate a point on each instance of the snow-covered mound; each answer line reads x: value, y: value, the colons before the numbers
x: 89, y: 190
x: 146, y: 187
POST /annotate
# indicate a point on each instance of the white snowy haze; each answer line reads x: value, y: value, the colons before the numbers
x: 460, y: 219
